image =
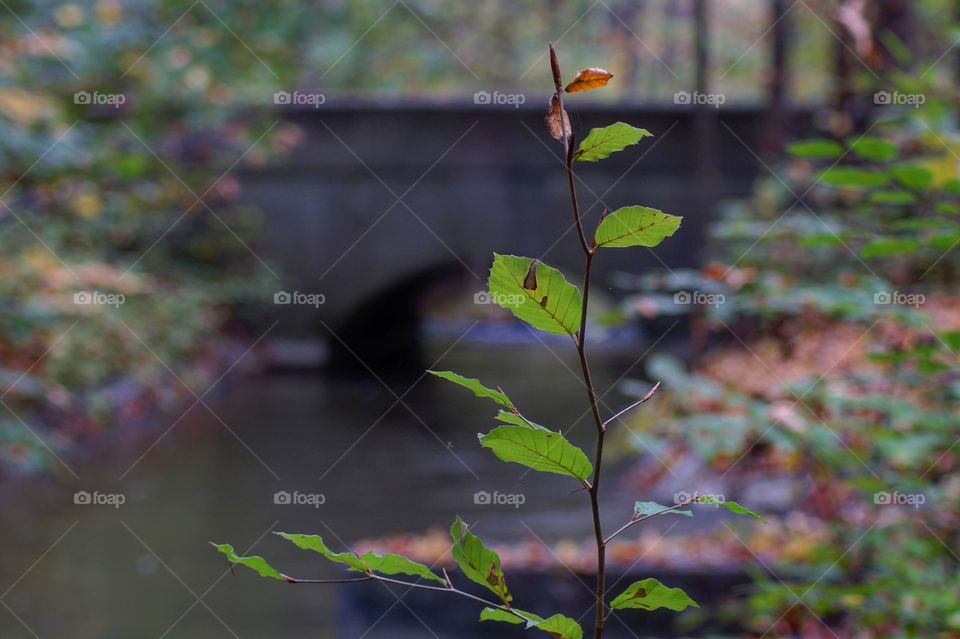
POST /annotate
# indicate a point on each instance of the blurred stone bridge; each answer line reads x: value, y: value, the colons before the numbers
x: 381, y: 199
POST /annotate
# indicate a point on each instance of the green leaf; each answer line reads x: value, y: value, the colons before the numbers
x: 315, y: 543
x: 546, y: 300
x: 815, y: 149
x: 560, y: 627
x: 635, y: 226
x: 947, y: 208
x: 874, y: 149
x: 257, y: 564
x: 495, y: 614
x: 474, y: 384
x: 600, y: 143
x: 541, y: 450
x: 888, y: 246
x: 893, y: 197
x: 392, y: 564
x: 650, y: 508
x: 732, y: 506
x: 517, y: 420
x: 650, y: 594
x: 847, y: 176
x: 480, y: 564
x: 912, y: 176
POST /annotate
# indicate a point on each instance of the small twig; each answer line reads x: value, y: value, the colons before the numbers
x: 633, y: 405
x: 636, y: 520
x: 294, y: 580
x: 448, y: 588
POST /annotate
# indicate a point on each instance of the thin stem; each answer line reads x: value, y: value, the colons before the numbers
x: 580, y: 342
x: 650, y: 516
x: 621, y: 413
x: 374, y: 577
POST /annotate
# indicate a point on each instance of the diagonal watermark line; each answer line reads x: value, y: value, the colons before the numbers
x: 239, y: 39
x: 598, y: 199
x: 17, y: 617
x: 39, y: 439
x: 42, y: 155
x: 798, y: 199
x: 38, y: 560
x: 439, y: 39
x: 562, y: 36
x: 39, y: 39
x: 649, y: 50
x: 182, y: 582
x: 157, y: 41
x: 198, y: 199
x: 398, y: 599
x: 21, y: 177
x: 557, y: 557
x: 199, y: 399
x: 799, y: 598
x: 799, y: 400
x: 215, y: 583
x: 38, y: 360
x: 757, y: 41
x: 396, y: 401
x: 398, y: 397
x: 357, y: 41
x: 626, y: 573
x: 840, y: 40
x: 398, y: 199
x: 601, y: 397
x: 952, y: 446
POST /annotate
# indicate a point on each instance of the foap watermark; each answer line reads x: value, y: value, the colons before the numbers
x: 97, y: 98
x: 716, y: 100
x: 99, y: 298
x: 896, y: 98
x: 96, y: 498
x: 501, y: 299
x: 298, y: 298
x: 683, y: 497
x: 296, y: 498
x: 496, y: 498
x: 896, y: 498
x: 299, y: 98
x: 698, y: 298
x: 915, y: 300
x: 499, y: 99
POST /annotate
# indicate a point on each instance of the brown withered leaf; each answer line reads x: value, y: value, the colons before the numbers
x: 589, y: 78
x: 554, y: 125
x: 530, y: 281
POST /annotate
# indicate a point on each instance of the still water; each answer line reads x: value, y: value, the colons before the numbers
x: 145, y: 569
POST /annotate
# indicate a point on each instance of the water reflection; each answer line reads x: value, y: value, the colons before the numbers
x: 382, y: 466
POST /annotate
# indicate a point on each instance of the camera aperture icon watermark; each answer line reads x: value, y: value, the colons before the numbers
x: 684, y: 496
x: 896, y: 498
x: 501, y: 299
x: 299, y: 98
x: 716, y: 100
x: 296, y: 498
x: 497, y: 98
x: 98, y: 98
x: 915, y: 300
x: 496, y: 498
x: 896, y: 98
x: 301, y: 299
x: 96, y: 498
x: 99, y: 298
x: 698, y: 298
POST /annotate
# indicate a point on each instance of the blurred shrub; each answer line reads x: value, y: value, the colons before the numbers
x: 124, y: 123
x: 833, y: 322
